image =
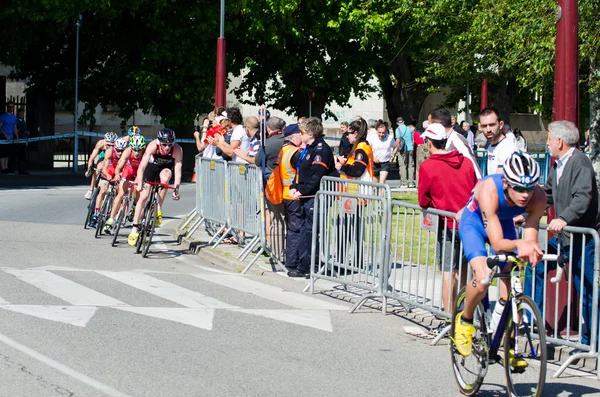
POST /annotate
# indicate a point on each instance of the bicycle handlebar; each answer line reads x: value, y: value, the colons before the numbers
x: 163, y: 185
x: 494, y: 261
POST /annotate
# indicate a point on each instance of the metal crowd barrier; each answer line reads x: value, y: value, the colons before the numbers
x: 212, y: 181
x: 351, y: 232
x: 543, y: 159
x: 194, y: 217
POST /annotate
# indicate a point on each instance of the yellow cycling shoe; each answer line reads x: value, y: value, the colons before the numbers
x: 517, y: 362
x: 158, y: 218
x: 463, y: 336
x: 132, y: 238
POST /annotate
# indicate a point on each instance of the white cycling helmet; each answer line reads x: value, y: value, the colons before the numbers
x: 520, y: 169
x: 121, y: 144
x: 110, y: 137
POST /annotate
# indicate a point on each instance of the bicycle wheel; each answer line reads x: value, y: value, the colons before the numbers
x: 142, y: 229
x: 102, y: 216
x: 525, y: 351
x: 91, y: 207
x: 120, y: 219
x: 149, y: 226
x: 469, y: 371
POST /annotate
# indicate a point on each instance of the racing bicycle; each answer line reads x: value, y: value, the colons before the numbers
x: 124, y: 211
x: 146, y: 231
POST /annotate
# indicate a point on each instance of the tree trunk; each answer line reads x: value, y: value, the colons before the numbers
x: 501, y: 95
x: 595, y: 115
x: 303, y: 107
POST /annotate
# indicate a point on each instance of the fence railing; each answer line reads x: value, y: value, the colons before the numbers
x: 542, y: 158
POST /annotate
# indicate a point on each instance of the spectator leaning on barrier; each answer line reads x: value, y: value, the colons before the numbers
x: 315, y: 161
x: 8, y: 131
x: 23, y: 135
x: 405, y: 145
x: 239, y: 138
x: 214, y: 135
x: 251, y: 126
x: 571, y: 187
x: 500, y: 146
x: 275, y: 212
x: 446, y: 180
x: 455, y: 140
x: 384, y: 150
x: 288, y: 161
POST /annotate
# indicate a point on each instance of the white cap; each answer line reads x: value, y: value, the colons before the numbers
x: 221, y: 117
x: 435, y: 131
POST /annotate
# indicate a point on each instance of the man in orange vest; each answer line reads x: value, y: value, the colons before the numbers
x: 287, y: 161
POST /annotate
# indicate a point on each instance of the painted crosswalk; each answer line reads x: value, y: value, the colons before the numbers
x: 190, y: 307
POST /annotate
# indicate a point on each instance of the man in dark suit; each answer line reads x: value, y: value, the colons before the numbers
x: 571, y: 187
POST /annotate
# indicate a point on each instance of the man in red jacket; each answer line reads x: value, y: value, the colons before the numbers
x: 446, y: 180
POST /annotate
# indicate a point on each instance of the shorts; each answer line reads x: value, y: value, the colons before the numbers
x: 448, y: 254
x: 474, y: 236
x: 109, y: 171
x: 152, y: 171
x: 385, y: 167
x: 129, y: 173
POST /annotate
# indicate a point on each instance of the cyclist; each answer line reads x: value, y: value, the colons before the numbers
x: 162, y: 156
x: 111, y: 159
x: 488, y: 216
x: 128, y: 165
x: 96, y: 158
x: 133, y: 131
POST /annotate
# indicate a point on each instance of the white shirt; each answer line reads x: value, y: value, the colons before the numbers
x: 498, y: 153
x: 210, y: 152
x: 470, y: 138
x: 561, y: 162
x: 458, y: 142
x: 382, y: 150
x: 511, y: 137
x: 371, y: 132
x: 239, y: 134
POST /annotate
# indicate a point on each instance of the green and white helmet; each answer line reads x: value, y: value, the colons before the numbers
x: 137, y: 142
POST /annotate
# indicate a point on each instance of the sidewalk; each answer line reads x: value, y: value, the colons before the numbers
x: 225, y: 256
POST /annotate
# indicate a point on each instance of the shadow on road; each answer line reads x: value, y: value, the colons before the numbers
x: 43, y: 180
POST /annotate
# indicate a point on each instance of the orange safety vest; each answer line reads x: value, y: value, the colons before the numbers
x: 287, y: 172
x: 365, y: 147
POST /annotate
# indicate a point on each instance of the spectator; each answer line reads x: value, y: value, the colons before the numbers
x: 275, y: 212
x: 407, y: 165
x: 571, y: 187
x: 468, y: 134
x: 421, y: 152
x: 251, y: 125
x: 8, y: 131
x: 384, y: 150
x: 521, y: 141
x: 300, y: 119
x: 316, y: 161
x: 500, y: 146
x: 239, y: 138
x: 454, y: 123
x: 455, y: 140
x: 371, y: 124
x: 209, y: 146
x: 508, y: 133
x: 345, y: 145
x: 23, y: 134
x: 288, y: 161
x: 587, y: 145
x: 446, y: 181
x: 481, y: 141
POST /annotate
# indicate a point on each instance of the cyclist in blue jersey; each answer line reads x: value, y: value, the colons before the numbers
x: 488, y: 217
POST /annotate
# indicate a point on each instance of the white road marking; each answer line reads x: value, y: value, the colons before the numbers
x: 74, y: 315
x: 104, y: 388
x: 200, y: 318
x: 3, y: 302
x: 67, y: 290
x: 269, y: 292
x: 319, y: 319
x: 166, y: 290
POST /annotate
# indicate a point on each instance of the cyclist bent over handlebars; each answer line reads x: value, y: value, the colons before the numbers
x: 488, y: 216
x: 161, y: 157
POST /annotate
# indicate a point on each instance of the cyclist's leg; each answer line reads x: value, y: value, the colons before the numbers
x: 118, y: 199
x: 165, y: 177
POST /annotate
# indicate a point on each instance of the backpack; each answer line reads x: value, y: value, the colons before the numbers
x: 274, y: 187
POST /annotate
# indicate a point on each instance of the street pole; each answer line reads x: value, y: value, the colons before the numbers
x: 220, y: 90
x: 484, y: 95
x: 76, y: 137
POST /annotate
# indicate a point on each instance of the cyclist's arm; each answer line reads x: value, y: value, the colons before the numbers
x: 487, y: 196
x: 122, y: 161
x: 95, y: 152
x: 178, y: 158
x: 150, y: 150
x: 535, y: 210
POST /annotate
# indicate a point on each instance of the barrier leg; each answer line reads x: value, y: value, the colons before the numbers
x: 362, y: 301
x: 438, y: 338
x: 194, y: 226
x: 221, y: 229
x: 191, y: 215
x: 262, y: 250
x: 573, y: 358
x: 248, y: 248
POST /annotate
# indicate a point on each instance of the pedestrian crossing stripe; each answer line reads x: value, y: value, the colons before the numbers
x: 198, y: 310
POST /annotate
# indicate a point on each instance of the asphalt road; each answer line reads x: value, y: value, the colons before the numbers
x: 80, y: 318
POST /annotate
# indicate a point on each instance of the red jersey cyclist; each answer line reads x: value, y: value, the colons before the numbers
x: 125, y: 172
x: 162, y: 156
x: 111, y: 159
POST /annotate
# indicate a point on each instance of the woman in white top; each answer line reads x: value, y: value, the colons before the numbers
x: 384, y: 150
x: 521, y: 141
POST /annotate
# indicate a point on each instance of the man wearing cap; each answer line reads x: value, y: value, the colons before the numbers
x: 407, y: 165
x: 288, y: 161
x: 446, y: 180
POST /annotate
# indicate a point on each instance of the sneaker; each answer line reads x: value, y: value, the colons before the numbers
x: 94, y: 221
x: 463, y: 336
x: 88, y: 195
x: 158, y: 218
x: 517, y: 362
x: 108, y: 226
x: 132, y: 238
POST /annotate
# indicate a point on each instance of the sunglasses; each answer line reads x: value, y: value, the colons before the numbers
x: 167, y: 144
x: 521, y: 189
